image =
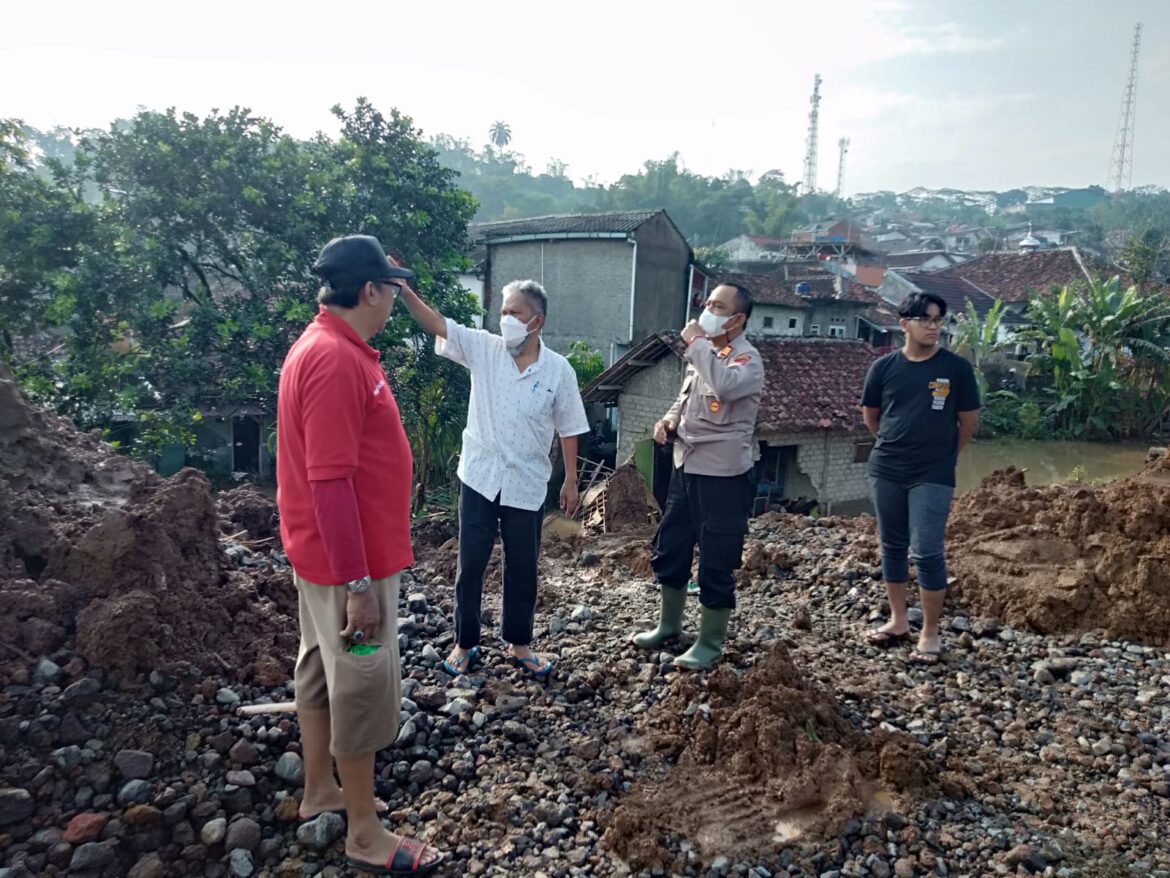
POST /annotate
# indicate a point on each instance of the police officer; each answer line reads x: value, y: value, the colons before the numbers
x: 713, y: 423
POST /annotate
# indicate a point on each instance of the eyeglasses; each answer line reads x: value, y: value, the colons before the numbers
x: 928, y: 321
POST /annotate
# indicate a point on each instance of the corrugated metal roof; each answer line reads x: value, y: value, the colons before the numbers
x: 614, y: 222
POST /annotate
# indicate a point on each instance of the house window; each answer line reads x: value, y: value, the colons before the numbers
x: 767, y: 323
x: 836, y: 332
x: 792, y: 323
x: 815, y: 329
x: 861, y: 451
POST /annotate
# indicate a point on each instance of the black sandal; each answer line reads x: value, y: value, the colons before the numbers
x: 406, y: 860
x: 886, y: 639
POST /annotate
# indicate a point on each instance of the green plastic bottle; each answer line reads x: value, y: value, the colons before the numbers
x: 363, y: 648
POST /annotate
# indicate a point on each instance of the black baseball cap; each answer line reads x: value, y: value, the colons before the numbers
x: 357, y: 259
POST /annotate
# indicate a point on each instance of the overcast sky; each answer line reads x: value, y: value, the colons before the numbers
x: 977, y: 94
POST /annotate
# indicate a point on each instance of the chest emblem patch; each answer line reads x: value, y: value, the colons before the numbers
x: 940, y: 389
x: 724, y: 353
x: 714, y: 405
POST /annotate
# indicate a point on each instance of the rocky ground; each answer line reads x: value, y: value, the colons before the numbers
x: 808, y: 753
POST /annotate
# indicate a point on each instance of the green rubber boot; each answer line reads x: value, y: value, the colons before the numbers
x: 669, y: 619
x: 708, y: 649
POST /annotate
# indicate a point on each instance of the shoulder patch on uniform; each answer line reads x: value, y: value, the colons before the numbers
x: 724, y: 353
x: 741, y: 360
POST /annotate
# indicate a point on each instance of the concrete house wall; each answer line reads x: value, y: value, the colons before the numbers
x: 781, y: 316
x: 660, y: 293
x: 588, y: 281
x: 645, y: 399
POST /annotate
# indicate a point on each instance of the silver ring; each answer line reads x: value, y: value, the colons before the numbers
x: 358, y: 635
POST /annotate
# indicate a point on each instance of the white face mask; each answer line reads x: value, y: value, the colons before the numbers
x: 514, y: 332
x: 711, y: 323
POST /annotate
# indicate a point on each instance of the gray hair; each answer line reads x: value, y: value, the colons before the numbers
x: 532, y: 291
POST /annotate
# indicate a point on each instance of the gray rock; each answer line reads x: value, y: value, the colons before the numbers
x: 590, y: 559
x: 66, y: 758
x: 416, y: 602
x: 213, y: 831
x: 243, y: 834
x: 457, y: 706
x: 1081, y: 678
x: 430, y: 655
x: 243, y: 778
x: 150, y: 866
x: 406, y: 733
x: 240, y: 863
x: 959, y: 624
x: 15, y: 805
x: 1043, y: 677
x: 47, y: 673
x: 555, y: 624
x: 517, y: 732
x: 82, y: 693
x: 134, y: 792
x: 320, y: 832
x: 290, y: 768
x: 227, y: 697
x: 134, y: 764
x: 92, y: 857
x: 580, y: 614
x: 421, y: 772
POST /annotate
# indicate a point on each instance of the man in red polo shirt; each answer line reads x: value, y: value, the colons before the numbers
x: 343, y: 467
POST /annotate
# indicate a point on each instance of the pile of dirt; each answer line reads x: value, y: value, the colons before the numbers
x: 102, y: 558
x: 250, y: 511
x: 764, y: 761
x: 628, y: 502
x: 1067, y: 558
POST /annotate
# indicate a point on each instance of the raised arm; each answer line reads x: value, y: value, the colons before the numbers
x: 426, y: 316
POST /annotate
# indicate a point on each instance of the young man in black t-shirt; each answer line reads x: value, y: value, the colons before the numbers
x: 922, y: 404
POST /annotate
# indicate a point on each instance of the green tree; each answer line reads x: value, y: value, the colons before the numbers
x: 586, y: 362
x: 501, y: 134
x: 979, y: 339
x: 1104, y: 350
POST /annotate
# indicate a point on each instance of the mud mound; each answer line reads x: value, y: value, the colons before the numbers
x: 1067, y: 558
x: 250, y: 510
x: 433, y: 531
x: 632, y: 557
x: 100, y: 555
x: 767, y: 761
x: 628, y: 502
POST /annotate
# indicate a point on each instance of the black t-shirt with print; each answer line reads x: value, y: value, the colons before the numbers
x: 918, y: 433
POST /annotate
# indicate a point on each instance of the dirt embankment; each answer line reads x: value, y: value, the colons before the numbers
x: 763, y: 760
x: 1067, y: 558
x: 98, y: 552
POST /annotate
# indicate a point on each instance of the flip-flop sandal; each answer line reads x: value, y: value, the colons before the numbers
x: 406, y: 860
x: 465, y: 664
x: 886, y: 639
x: 924, y: 657
x: 534, y: 666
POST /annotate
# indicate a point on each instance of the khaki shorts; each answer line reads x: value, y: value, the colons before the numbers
x: 362, y: 692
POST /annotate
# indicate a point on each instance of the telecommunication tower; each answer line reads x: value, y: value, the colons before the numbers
x: 843, y: 147
x: 1121, y: 166
x: 810, y: 152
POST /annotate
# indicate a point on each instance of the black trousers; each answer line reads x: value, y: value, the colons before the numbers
x: 480, y: 519
x: 713, y: 512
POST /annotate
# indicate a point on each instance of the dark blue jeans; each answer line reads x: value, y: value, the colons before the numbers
x: 912, y: 521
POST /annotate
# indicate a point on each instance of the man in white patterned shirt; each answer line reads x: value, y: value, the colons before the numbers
x: 520, y: 393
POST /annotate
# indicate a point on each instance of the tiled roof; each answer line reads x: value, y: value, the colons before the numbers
x: 883, y: 316
x: 769, y: 289
x: 562, y: 224
x: 1014, y: 276
x: 955, y: 291
x: 813, y: 384
x: 859, y: 293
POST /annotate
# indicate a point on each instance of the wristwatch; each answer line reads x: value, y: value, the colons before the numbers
x: 357, y: 586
